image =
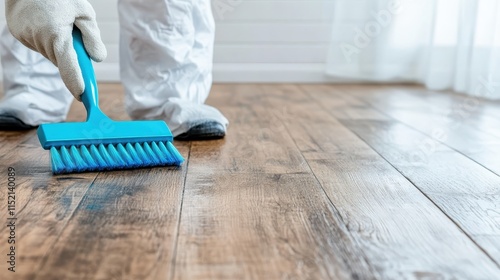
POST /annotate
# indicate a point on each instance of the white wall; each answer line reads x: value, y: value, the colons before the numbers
x: 256, y: 40
x: 272, y: 40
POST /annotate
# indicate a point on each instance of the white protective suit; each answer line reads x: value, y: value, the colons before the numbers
x: 166, y: 50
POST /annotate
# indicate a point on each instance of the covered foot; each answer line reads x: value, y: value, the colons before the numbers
x: 208, y: 130
x: 187, y: 120
x: 194, y: 121
x: 21, y: 110
x: 12, y: 123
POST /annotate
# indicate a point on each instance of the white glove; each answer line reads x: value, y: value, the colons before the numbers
x: 46, y: 26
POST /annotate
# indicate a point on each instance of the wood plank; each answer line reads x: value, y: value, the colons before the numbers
x: 469, y: 198
x: 125, y: 228
x: 249, y: 148
x: 380, y: 209
x: 256, y: 140
x: 11, y: 139
x: 464, y: 113
x: 271, y: 226
x: 352, y: 174
x: 236, y: 102
x: 470, y: 131
x: 253, y: 210
x: 44, y: 203
x: 403, y: 235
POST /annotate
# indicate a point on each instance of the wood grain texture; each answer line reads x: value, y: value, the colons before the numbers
x: 258, y: 143
x: 44, y: 203
x: 468, y: 193
x: 379, y: 208
x: 470, y: 198
x: 125, y: 228
x: 383, y: 211
x: 311, y: 182
x: 271, y: 226
x: 361, y: 176
x: 467, y: 124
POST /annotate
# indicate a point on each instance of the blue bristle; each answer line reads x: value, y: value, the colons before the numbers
x: 166, y: 154
x: 119, y: 162
x: 57, y: 162
x: 125, y: 156
x: 133, y: 154
x: 142, y: 155
x: 80, y: 164
x: 151, y: 154
x: 94, y: 152
x: 119, y: 156
x: 175, y: 154
x: 92, y: 164
x: 163, y: 158
x: 105, y: 155
x: 66, y: 157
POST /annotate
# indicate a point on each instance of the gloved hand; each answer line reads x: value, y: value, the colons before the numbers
x: 46, y: 26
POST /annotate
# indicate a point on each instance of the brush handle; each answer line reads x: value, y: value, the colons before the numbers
x: 90, y: 96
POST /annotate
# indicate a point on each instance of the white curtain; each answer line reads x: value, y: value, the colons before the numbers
x: 444, y: 44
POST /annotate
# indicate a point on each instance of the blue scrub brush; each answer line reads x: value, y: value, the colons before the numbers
x: 101, y: 143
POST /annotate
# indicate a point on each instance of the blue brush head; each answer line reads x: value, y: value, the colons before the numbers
x: 83, y: 147
x: 101, y: 143
x: 103, y: 157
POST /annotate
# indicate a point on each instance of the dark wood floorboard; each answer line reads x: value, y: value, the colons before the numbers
x: 333, y: 147
x: 467, y: 125
x: 44, y: 203
x: 462, y: 188
x: 311, y: 182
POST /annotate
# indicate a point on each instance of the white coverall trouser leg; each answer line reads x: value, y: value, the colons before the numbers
x: 166, y: 51
x: 34, y: 90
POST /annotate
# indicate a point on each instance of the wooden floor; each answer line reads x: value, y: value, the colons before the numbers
x: 311, y: 182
